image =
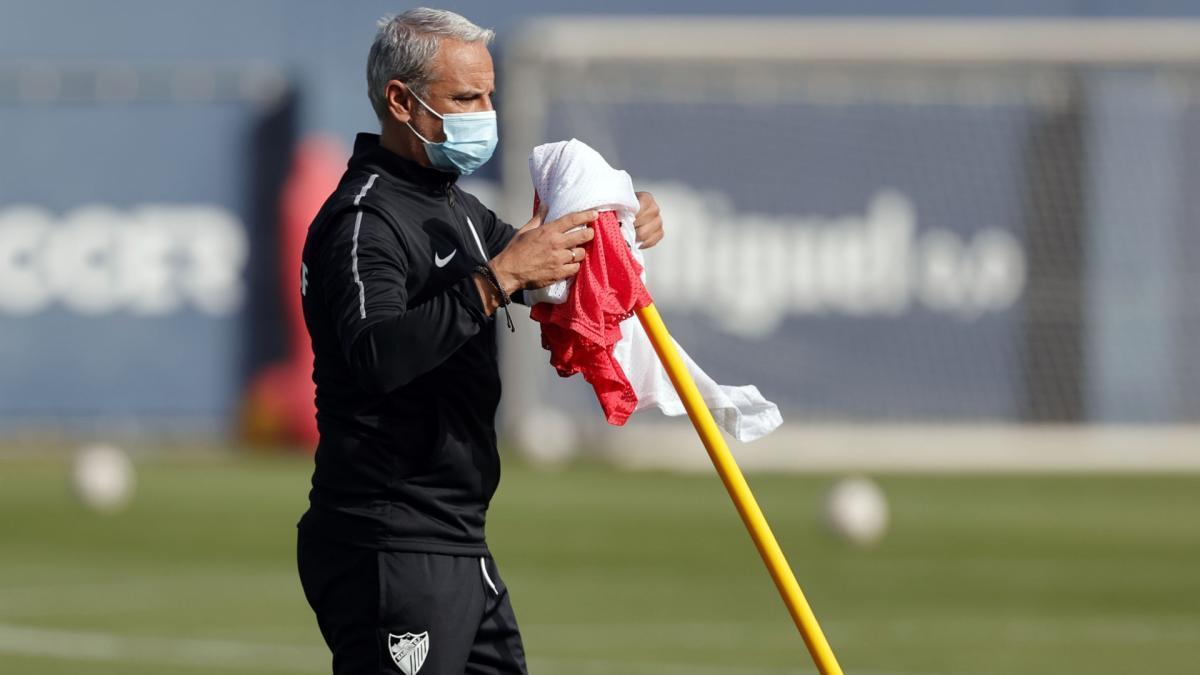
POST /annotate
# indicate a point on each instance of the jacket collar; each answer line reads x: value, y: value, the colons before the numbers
x: 368, y: 152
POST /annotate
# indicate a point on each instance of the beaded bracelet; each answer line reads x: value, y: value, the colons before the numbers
x: 490, y: 275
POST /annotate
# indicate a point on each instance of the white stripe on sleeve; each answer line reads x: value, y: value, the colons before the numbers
x: 362, y: 294
x: 482, y: 250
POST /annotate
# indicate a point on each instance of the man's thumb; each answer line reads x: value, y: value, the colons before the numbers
x: 538, y: 218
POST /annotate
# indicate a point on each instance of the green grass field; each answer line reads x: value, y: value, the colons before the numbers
x: 635, y: 574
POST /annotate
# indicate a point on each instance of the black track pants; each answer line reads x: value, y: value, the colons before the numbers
x: 388, y: 612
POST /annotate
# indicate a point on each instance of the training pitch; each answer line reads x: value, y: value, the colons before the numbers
x: 631, y: 574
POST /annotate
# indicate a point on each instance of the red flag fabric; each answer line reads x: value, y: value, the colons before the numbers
x: 588, y: 325
x: 581, y: 332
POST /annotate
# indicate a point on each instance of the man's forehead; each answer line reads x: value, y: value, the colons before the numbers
x: 463, y: 65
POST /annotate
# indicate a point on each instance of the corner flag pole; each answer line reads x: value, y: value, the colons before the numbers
x: 739, y: 491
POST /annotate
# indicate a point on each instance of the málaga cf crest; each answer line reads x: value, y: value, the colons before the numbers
x: 409, y: 651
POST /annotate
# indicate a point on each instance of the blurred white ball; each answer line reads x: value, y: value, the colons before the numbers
x: 102, y: 477
x: 856, y: 510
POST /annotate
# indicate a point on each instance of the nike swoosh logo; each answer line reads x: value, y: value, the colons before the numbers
x: 440, y: 261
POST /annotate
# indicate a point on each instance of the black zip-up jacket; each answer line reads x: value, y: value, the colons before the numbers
x: 404, y: 358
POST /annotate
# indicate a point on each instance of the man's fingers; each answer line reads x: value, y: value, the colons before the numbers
x: 581, y: 236
x: 647, y: 210
x: 537, y: 219
x: 534, y: 222
x: 571, y: 255
x: 646, y: 221
x: 651, y: 240
x: 573, y: 220
x: 647, y: 206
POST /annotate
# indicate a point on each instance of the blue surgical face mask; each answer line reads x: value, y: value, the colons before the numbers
x: 470, y: 140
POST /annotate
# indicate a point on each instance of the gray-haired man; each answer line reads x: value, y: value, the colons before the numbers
x: 403, y: 274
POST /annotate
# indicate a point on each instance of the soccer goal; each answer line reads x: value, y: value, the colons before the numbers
x: 952, y: 244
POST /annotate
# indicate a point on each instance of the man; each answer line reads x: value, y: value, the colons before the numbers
x: 402, y: 276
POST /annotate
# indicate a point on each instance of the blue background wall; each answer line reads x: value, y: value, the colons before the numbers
x: 1138, y: 173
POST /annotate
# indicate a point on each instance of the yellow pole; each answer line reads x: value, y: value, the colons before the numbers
x: 739, y: 491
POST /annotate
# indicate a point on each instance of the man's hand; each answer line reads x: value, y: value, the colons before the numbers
x: 540, y: 255
x: 648, y: 224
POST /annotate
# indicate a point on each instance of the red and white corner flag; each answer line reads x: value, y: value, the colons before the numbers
x: 588, y: 324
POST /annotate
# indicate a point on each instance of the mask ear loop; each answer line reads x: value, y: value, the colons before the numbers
x: 426, y: 105
x: 418, y: 135
x: 431, y: 111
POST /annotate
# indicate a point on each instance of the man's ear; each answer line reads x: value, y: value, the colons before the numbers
x: 399, y: 103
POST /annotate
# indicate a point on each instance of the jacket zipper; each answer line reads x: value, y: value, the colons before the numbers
x: 462, y: 231
x: 474, y: 235
x: 492, y: 481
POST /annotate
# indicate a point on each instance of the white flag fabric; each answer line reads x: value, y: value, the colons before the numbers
x: 570, y: 176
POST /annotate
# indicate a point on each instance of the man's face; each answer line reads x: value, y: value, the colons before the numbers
x: 463, y: 81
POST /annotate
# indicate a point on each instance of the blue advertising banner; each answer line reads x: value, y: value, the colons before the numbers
x: 864, y: 260
x: 124, y: 248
